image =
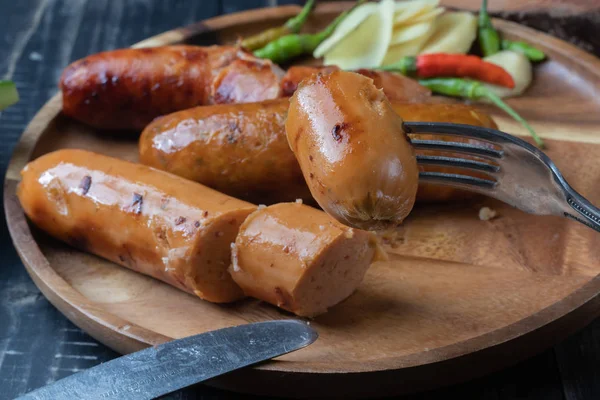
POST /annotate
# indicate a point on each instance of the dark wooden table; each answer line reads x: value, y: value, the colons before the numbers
x: 38, y: 38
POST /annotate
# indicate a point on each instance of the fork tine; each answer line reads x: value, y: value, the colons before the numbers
x: 457, y: 162
x: 456, y: 147
x: 483, y: 135
x: 469, y: 182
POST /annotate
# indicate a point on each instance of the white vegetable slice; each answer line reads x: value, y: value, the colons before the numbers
x: 410, y: 32
x: 518, y: 66
x: 454, y: 33
x: 407, y: 10
x: 366, y: 46
x: 428, y: 16
x: 348, y: 24
x: 410, y: 48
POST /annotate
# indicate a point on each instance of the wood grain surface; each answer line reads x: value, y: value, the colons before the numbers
x: 48, y: 35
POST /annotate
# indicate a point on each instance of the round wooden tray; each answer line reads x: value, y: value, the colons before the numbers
x: 459, y: 298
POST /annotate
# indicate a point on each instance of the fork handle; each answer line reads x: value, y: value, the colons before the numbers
x: 587, y: 214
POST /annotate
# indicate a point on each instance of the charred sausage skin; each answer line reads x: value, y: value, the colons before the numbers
x: 147, y: 220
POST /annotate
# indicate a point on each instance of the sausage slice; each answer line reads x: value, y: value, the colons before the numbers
x: 300, y: 259
x: 353, y: 151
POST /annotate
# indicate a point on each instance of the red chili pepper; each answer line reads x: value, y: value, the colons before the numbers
x: 452, y: 65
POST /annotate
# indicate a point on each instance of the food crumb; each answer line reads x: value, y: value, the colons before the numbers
x: 349, y: 234
x: 298, y: 201
x: 261, y: 206
x: 392, y: 237
x: 486, y: 213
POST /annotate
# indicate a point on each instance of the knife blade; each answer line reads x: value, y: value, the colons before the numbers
x: 162, y: 369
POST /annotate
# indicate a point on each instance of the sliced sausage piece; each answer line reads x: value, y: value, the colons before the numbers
x: 354, y: 154
x: 128, y: 88
x: 300, y: 259
x: 144, y: 219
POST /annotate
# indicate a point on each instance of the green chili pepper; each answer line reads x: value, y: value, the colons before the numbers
x: 530, y: 52
x: 475, y: 90
x: 287, y: 47
x: 293, y: 25
x: 489, y: 39
x: 8, y: 94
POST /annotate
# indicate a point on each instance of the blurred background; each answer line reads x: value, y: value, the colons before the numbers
x: 38, y: 38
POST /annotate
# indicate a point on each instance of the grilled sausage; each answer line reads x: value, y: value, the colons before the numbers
x: 242, y: 149
x: 300, y: 259
x: 353, y: 151
x: 238, y: 149
x: 396, y: 87
x: 128, y: 88
x: 144, y: 219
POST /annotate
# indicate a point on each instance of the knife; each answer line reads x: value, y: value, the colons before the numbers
x: 162, y: 369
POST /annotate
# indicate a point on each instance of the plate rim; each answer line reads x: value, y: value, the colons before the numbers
x: 72, y: 303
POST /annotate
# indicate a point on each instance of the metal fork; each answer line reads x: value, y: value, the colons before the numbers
x: 515, y: 172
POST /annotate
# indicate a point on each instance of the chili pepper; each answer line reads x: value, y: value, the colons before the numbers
x: 534, y: 54
x: 452, y: 65
x: 489, y: 39
x: 475, y: 90
x: 293, y: 25
x: 8, y: 94
x: 289, y: 46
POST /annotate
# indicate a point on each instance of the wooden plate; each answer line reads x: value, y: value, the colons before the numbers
x: 460, y: 297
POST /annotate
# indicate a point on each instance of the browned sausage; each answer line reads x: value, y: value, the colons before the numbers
x: 128, y: 88
x: 242, y: 149
x: 144, y: 219
x: 299, y: 258
x: 396, y: 87
x: 353, y: 151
